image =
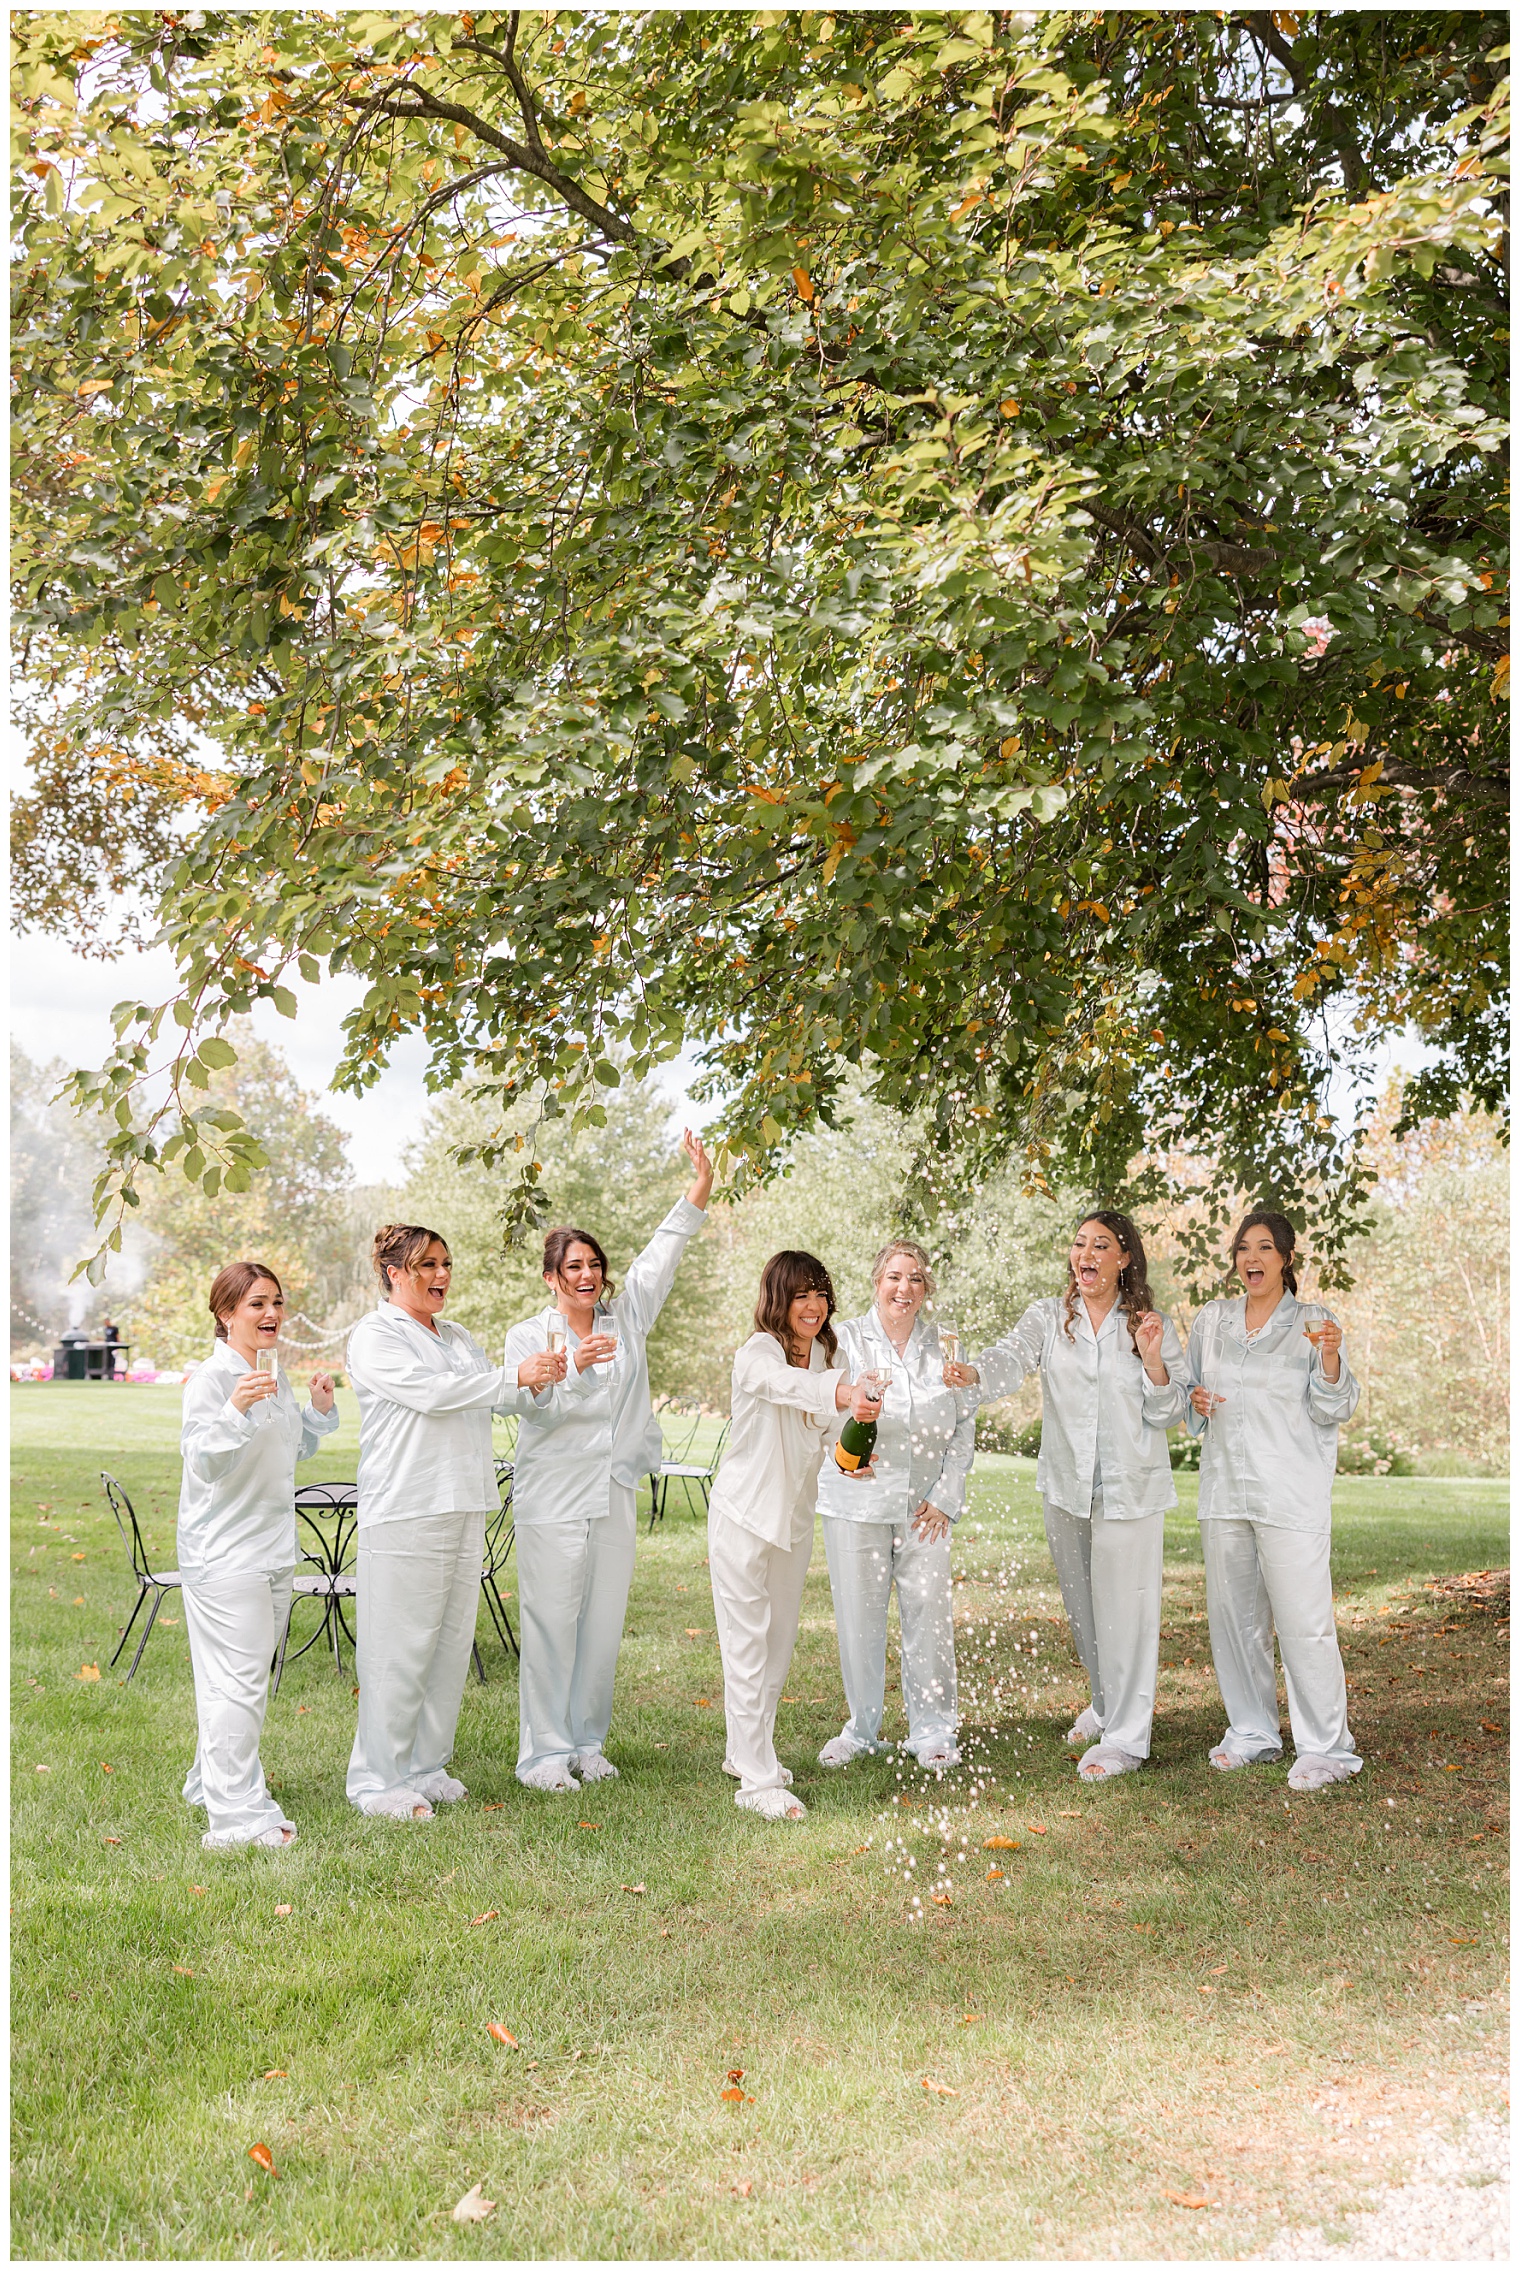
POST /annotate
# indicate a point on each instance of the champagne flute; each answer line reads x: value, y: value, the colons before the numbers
x: 267, y: 1362
x: 949, y: 1341
x: 557, y: 1335
x: 607, y: 1325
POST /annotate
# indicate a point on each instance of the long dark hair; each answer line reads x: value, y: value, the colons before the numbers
x: 1282, y: 1234
x: 783, y: 1278
x: 558, y: 1244
x: 1134, y: 1286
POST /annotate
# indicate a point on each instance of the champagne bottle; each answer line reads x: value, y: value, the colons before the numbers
x: 855, y: 1444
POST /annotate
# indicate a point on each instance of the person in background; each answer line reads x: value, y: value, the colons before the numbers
x: 112, y: 1338
x: 892, y: 1527
x: 1269, y: 1388
x: 241, y: 1438
x: 581, y: 1452
x: 788, y: 1390
x: 426, y: 1393
x: 1111, y: 1376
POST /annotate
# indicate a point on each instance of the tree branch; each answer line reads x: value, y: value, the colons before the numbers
x: 415, y: 102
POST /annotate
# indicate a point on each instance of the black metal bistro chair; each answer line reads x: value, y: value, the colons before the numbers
x: 500, y: 1532
x: 148, y: 1580
x: 686, y: 1471
x: 326, y: 1571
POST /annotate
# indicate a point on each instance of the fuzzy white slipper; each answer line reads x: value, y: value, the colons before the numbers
x: 555, y: 1778
x: 1087, y: 1727
x: 734, y: 1775
x: 275, y: 1838
x: 771, y: 1805
x: 1227, y: 1760
x: 440, y: 1789
x: 1104, y: 1762
x: 1317, y: 1773
x: 591, y: 1766
x: 839, y: 1751
x: 937, y: 1758
x: 401, y: 1805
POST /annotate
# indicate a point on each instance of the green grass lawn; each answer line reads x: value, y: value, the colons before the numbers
x: 1184, y: 1987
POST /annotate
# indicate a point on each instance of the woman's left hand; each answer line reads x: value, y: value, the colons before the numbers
x: 696, y: 1152
x: 930, y: 1524
x: 1328, y: 1341
x: 1148, y: 1342
x: 321, y: 1392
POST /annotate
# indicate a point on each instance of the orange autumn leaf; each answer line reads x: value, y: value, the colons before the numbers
x: 1036, y: 1829
x: 694, y: 1631
x: 474, y: 2208
x: 282, y: 1908
x: 972, y: 2018
x: 113, y: 1841
x: 943, y: 1900
x: 1000, y: 1845
x: 1217, y: 1971
x: 264, y: 2157
x: 184, y: 1971
x: 704, y: 1702
x: 88, y: 1672
x: 940, y: 2089
x: 1187, y: 2199
x: 803, y: 282
x: 489, y: 1917
x: 638, y: 1888
x: 275, y: 2074
x: 588, y: 1825
x: 498, y: 2033
x: 993, y: 1875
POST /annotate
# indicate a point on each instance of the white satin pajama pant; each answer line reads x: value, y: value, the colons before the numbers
x: 1110, y: 1578
x: 1259, y: 1575
x: 866, y: 1559
x: 234, y: 1624
x: 419, y: 1592
x: 757, y: 1601
x: 572, y: 1597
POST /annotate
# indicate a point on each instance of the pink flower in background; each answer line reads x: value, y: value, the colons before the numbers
x: 1319, y: 633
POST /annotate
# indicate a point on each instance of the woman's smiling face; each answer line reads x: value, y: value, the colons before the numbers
x: 806, y: 1316
x: 901, y: 1290
x: 1258, y: 1264
x: 1097, y: 1258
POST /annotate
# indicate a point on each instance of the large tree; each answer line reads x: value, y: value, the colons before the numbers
x: 967, y: 545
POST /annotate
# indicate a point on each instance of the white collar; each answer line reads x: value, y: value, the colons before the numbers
x: 398, y: 1316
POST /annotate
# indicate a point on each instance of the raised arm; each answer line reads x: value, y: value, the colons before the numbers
x: 1331, y: 1402
x: 1003, y: 1368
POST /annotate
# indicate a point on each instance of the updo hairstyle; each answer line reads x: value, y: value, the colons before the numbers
x: 401, y: 1246
x: 232, y: 1285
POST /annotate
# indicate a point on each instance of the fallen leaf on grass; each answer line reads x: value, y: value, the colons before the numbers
x: 275, y: 2074
x: 78, y: 1601
x: 106, y: 1769
x: 492, y: 1806
x: 943, y: 1900
x: 113, y: 1841
x: 88, y: 1672
x: 993, y: 1875
x: 1071, y: 1814
x: 735, y: 2096
x: 1489, y: 1728
x: 704, y: 1702
x: 264, y: 2157
x: 1036, y: 1829
x: 1472, y: 1943
x: 489, y: 1917
x: 588, y: 1825
x: 972, y: 2018
x: 199, y: 1890
x: 745, y: 2187
x: 1000, y: 1845
x: 282, y: 1908
x: 1187, y: 2199
x: 940, y: 2089
x: 184, y: 1971
x: 1217, y: 1970
x: 474, y: 2208
x: 498, y: 2033
x: 44, y: 1770
x: 694, y: 1631
x: 631, y: 1888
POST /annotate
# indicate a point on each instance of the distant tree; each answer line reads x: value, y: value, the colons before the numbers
x: 300, y: 1215
x: 53, y: 1166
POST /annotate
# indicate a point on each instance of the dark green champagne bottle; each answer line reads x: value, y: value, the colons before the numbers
x: 857, y: 1440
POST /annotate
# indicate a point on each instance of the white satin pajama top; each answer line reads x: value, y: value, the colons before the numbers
x: 237, y: 1496
x: 1104, y: 1423
x: 925, y: 1437
x: 1269, y: 1451
x: 782, y: 1420
x: 597, y: 1427
x: 425, y: 1405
